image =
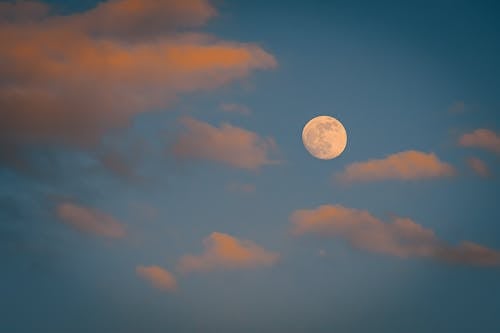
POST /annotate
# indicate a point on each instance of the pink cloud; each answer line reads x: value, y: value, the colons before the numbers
x: 478, y: 166
x: 70, y: 79
x: 481, y: 138
x: 406, y: 165
x: 158, y: 277
x: 227, y: 144
x: 223, y: 251
x: 90, y: 220
x: 401, y: 237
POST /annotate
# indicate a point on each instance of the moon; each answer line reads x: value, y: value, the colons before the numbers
x: 324, y: 137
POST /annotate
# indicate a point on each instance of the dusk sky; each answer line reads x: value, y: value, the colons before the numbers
x: 153, y: 176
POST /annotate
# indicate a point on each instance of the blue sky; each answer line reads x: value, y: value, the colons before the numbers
x: 127, y: 205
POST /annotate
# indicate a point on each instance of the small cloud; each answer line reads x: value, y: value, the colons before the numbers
x: 481, y: 138
x: 227, y: 144
x: 401, y: 237
x: 158, y: 277
x: 457, y: 107
x: 223, y: 251
x: 235, y: 108
x: 90, y: 220
x: 407, y: 165
x: 322, y: 253
x: 241, y: 187
x: 478, y: 166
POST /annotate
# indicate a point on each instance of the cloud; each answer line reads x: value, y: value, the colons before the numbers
x: 478, y: 166
x: 71, y: 79
x: 406, y: 165
x: 241, y: 187
x: 90, y: 220
x: 481, y: 138
x: 158, y: 277
x: 235, y: 108
x: 223, y: 251
x: 139, y: 18
x: 401, y: 237
x: 227, y: 144
x: 22, y: 11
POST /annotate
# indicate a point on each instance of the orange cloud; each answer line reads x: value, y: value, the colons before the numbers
x: 72, y: 78
x: 139, y: 18
x: 223, y: 251
x: 407, y: 165
x: 90, y: 220
x: 481, y: 138
x: 235, y: 108
x: 478, y: 166
x: 227, y: 144
x: 158, y: 277
x: 401, y: 237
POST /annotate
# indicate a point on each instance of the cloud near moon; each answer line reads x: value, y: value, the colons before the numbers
x: 401, y: 237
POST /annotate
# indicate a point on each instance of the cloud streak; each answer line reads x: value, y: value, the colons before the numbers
x: 227, y: 144
x: 406, y: 165
x: 158, y: 277
x: 90, y: 221
x: 481, y: 138
x: 401, y: 237
x: 479, y: 167
x: 223, y: 251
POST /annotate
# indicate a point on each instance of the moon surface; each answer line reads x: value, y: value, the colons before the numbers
x: 324, y: 137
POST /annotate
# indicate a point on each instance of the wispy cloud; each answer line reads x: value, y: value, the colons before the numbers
x: 481, y: 138
x: 406, y: 165
x: 401, y: 237
x: 478, y: 166
x: 158, y: 277
x: 69, y: 79
x: 235, y: 108
x: 89, y: 220
x: 223, y: 251
x: 227, y: 144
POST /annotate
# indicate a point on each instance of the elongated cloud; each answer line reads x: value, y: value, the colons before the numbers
x: 231, y: 145
x: 478, y: 166
x: 223, y: 251
x: 158, y: 277
x: 90, y: 220
x: 406, y: 165
x: 401, y: 237
x: 70, y: 79
x: 481, y: 138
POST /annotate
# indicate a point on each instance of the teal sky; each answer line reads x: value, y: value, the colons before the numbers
x: 153, y: 177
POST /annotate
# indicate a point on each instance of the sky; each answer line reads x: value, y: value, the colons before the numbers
x: 153, y: 176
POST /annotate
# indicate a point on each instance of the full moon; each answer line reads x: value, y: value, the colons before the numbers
x: 324, y: 137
